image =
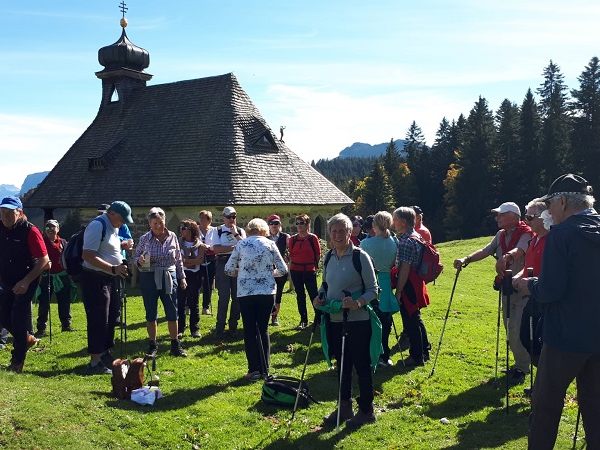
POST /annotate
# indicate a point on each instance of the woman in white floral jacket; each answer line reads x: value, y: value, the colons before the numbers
x: 256, y: 262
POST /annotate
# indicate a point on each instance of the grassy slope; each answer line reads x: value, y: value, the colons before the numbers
x: 53, y: 405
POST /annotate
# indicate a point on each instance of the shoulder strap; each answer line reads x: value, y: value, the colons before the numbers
x: 220, y: 230
x: 357, y: 263
x: 312, y: 245
x: 103, y: 227
x: 327, y: 258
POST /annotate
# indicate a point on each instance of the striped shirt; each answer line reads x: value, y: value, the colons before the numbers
x: 163, y: 255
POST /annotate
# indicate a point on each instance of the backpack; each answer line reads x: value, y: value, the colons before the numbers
x: 220, y: 230
x: 294, y: 239
x: 430, y: 266
x: 72, y: 255
x: 282, y: 391
x: 128, y: 376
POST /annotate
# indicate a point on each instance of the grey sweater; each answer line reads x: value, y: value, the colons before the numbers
x: 340, y: 275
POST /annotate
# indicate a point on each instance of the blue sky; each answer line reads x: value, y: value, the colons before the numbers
x: 333, y: 72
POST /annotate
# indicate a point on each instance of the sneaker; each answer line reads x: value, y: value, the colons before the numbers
x: 97, y: 369
x: 528, y: 392
x: 40, y: 333
x: 360, y: 419
x: 180, y: 335
x: 206, y: 312
x: 176, y: 349
x: 253, y: 376
x: 32, y: 341
x: 346, y: 413
x: 196, y: 334
x: 516, y: 377
x: 302, y: 325
x: 385, y: 363
x: 274, y: 321
x: 107, y: 358
x: 152, y: 347
x: 67, y: 328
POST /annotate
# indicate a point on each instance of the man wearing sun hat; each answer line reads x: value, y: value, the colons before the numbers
x: 23, y: 257
x: 567, y: 289
x: 508, y: 247
x: 100, y: 282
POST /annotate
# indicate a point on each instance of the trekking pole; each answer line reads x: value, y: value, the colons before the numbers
x: 312, y: 333
x: 498, y: 332
x: 398, y: 341
x: 344, y: 332
x: 507, y: 289
x: 532, y: 311
x: 262, y: 352
x: 49, y: 305
x: 445, y: 320
x: 576, y: 426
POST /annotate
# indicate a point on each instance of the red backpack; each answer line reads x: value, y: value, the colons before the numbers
x: 430, y: 266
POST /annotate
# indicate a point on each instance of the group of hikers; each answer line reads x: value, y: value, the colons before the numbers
x: 552, y: 255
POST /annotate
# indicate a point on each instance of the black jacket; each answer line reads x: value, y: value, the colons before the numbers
x: 568, y: 287
x: 15, y: 260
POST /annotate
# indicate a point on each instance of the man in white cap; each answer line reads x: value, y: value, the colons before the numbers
x: 222, y: 240
x: 508, y: 247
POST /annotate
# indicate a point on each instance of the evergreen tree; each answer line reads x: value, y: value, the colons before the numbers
x: 586, y: 123
x: 391, y: 158
x: 530, y: 129
x: 404, y: 187
x: 556, y: 152
x: 377, y: 194
x: 474, y: 193
x: 508, y: 168
x: 417, y: 157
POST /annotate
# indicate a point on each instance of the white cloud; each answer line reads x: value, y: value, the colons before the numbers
x: 32, y: 144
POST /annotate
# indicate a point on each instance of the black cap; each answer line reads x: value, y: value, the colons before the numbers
x: 103, y: 207
x: 368, y: 223
x: 417, y: 209
x: 568, y: 184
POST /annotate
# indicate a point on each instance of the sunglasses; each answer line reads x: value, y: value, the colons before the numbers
x: 300, y: 223
x: 274, y: 223
x: 231, y: 216
x: 530, y: 217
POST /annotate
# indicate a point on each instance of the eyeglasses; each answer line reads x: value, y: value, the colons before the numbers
x: 50, y: 227
x: 530, y: 217
x: 274, y: 223
x: 300, y: 223
x: 231, y: 216
x: 183, y: 228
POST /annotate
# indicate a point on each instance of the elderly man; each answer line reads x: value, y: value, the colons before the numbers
x: 222, y: 240
x: 567, y: 290
x: 419, y: 227
x: 23, y: 257
x: 508, y: 247
x: 56, y: 281
x: 101, y: 283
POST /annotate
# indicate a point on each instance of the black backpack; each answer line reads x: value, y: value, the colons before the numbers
x: 71, y: 257
x: 282, y: 391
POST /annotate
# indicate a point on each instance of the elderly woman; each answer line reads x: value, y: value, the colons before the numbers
x: 344, y: 295
x: 382, y: 248
x: 192, y: 251
x: 256, y: 262
x: 161, y: 271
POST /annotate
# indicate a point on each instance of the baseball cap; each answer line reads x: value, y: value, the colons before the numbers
x: 508, y: 207
x: 228, y: 210
x: 122, y: 209
x: 568, y: 184
x: 53, y: 223
x: 417, y: 209
x: 11, y: 202
x: 273, y: 218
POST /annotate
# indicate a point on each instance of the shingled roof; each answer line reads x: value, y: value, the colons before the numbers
x: 195, y: 142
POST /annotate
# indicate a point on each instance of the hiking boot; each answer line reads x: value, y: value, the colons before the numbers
x: 15, y: 367
x: 196, y: 334
x: 274, y: 321
x: 152, y: 348
x: 40, y: 333
x: 346, y: 413
x: 516, y: 377
x: 32, y: 341
x: 403, y: 342
x: 361, y: 418
x: 253, y: 376
x: 107, y: 358
x: 67, y: 327
x: 97, y: 369
x: 176, y: 349
x: 411, y: 362
x: 528, y: 392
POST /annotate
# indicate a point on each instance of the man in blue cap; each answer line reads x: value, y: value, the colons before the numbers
x: 23, y: 257
x: 103, y: 270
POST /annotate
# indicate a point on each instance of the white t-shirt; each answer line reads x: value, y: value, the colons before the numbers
x: 108, y: 249
x: 187, y: 245
x: 227, y: 238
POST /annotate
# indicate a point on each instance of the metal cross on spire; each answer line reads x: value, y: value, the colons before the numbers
x: 123, y: 8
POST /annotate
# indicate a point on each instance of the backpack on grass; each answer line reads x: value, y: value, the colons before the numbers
x: 282, y: 391
x: 72, y: 255
x: 128, y: 376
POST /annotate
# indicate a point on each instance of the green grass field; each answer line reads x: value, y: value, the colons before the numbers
x: 206, y: 403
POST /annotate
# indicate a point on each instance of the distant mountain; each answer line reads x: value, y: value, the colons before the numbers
x: 7, y: 190
x: 32, y: 180
x: 362, y: 150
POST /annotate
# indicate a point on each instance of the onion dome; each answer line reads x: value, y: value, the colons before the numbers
x: 124, y: 54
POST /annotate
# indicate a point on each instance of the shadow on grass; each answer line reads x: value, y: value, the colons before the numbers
x: 497, y: 429
x: 177, y: 399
